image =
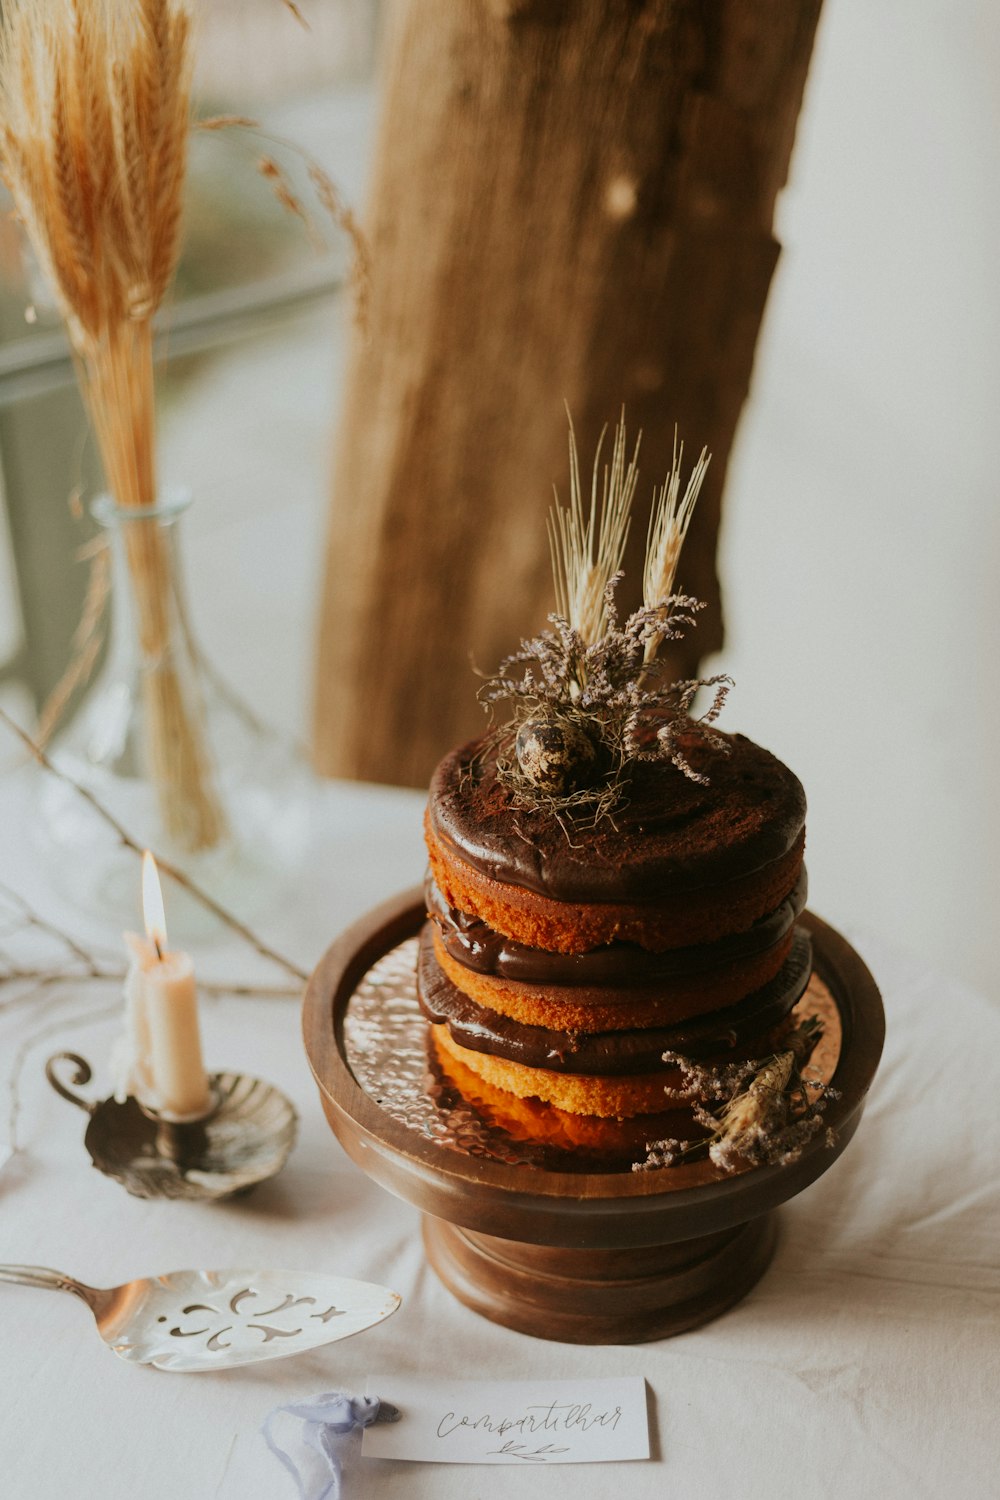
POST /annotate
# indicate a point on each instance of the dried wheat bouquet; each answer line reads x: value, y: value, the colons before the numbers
x: 95, y: 110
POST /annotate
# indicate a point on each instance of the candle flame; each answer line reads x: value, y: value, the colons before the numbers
x: 152, y: 905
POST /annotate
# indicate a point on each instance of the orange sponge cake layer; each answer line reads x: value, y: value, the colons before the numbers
x: 611, y: 1010
x: 679, y: 864
x: 616, y: 1098
x: 532, y: 1120
x: 685, y: 918
x: 619, y: 967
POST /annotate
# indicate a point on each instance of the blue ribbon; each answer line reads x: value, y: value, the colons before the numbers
x: 327, y: 1420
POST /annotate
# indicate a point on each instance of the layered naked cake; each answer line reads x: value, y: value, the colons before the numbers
x: 566, y: 969
x: 614, y: 883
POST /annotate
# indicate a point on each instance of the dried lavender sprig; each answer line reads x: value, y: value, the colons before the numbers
x: 608, y: 688
x: 768, y: 1116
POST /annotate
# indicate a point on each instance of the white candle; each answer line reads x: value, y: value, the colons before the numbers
x: 164, y: 1069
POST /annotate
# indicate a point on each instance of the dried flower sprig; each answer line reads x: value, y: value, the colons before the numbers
x: 328, y: 195
x: 625, y: 708
x: 590, y: 696
x: 771, y: 1109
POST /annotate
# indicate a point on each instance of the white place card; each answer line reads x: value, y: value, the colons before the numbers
x: 510, y: 1421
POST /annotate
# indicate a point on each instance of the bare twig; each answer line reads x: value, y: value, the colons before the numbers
x: 32, y: 917
x: 87, y: 639
x: 115, y: 974
x: 125, y: 838
x: 46, y: 979
x: 290, y: 5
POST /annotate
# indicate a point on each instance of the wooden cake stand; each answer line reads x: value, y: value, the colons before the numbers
x: 580, y: 1256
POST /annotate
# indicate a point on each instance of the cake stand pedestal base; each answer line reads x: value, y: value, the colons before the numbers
x: 594, y: 1296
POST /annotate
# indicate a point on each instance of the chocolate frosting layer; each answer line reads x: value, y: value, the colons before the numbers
x: 609, y: 1052
x: 672, y: 835
x: 475, y: 945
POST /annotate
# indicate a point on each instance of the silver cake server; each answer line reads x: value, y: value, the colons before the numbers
x: 212, y: 1320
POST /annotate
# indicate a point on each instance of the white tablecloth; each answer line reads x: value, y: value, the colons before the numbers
x: 864, y: 1363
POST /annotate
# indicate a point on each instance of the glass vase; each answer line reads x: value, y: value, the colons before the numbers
x: 168, y: 750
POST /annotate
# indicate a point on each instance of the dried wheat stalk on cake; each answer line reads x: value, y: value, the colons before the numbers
x: 95, y: 101
x: 588, y: 543
x: 669, y: 520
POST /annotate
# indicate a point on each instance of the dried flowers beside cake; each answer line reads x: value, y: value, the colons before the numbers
x: 611, y: 953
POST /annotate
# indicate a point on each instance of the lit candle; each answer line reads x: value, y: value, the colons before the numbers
x: 161, y: 1064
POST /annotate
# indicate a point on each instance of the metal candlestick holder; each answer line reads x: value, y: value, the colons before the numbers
x: 244, y: 1139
